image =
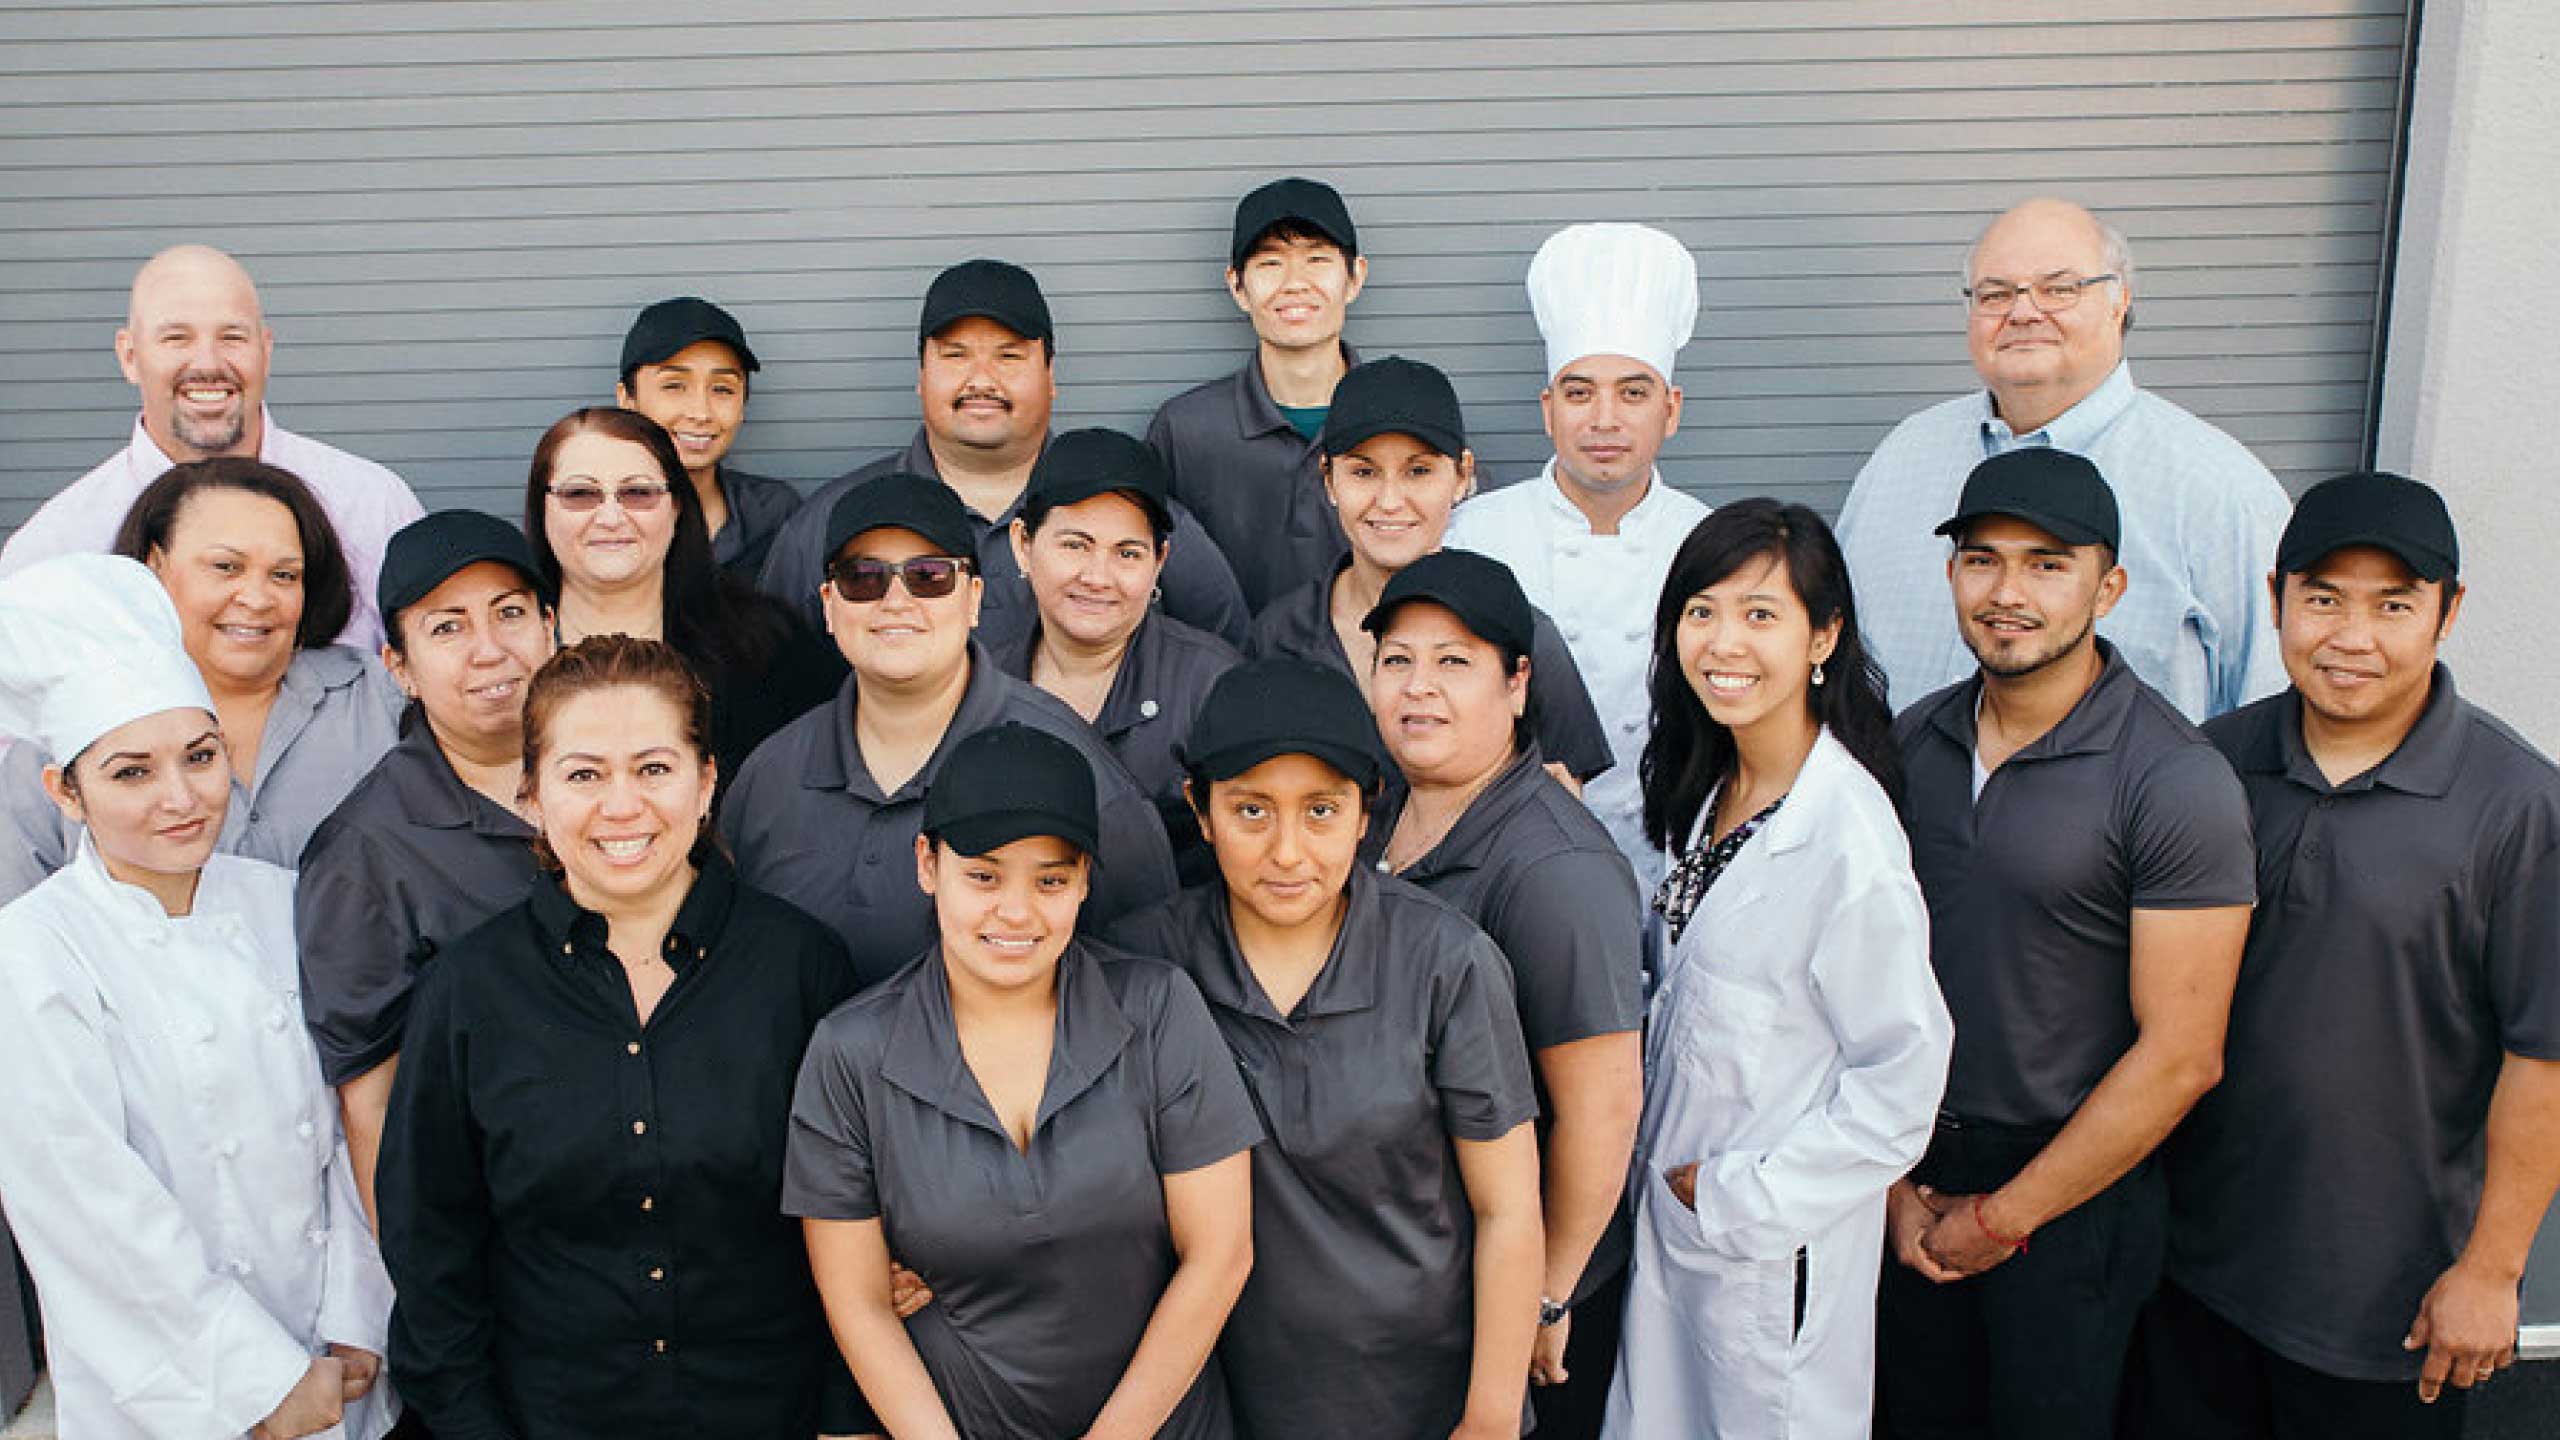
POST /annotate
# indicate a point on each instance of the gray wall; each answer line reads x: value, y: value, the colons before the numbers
x: 454, y: 208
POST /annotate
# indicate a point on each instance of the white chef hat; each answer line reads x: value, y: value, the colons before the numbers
x: 1613, y: 289
x: 88, y: 643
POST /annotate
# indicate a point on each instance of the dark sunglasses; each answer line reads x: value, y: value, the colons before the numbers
x: 927, y: 577
x: 639, y: 497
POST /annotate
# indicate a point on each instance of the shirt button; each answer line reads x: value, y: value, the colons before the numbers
x: 303, y: 1130
x: 1147, y: 709
x: 315, y: 1238
x: 1573, y: 634
x: 1630, y: 726
x: 658, y: 1345
x: 633, y: 1048
x: 227, y: 1149
x: 639, y: 1127
x: 648, y: 1202
x: 2311, y: 851
x: 2324, y: 802
x: 1635, y: 633
x: 567, y: 948
x: 276, y: 1018
x: 241, y: 1267
x: 657, y: 1272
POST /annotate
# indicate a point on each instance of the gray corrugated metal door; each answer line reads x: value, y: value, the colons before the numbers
x: 454, y: 208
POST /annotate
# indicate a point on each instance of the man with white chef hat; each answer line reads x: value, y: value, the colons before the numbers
x: 1591, y: 537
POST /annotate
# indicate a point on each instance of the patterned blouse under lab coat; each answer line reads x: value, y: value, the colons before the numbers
x: 170, y: 1159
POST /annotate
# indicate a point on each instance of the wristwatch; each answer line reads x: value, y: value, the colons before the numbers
x: 1552, y: 1311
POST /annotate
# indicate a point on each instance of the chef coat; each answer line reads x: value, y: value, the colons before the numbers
x: 1796, y: 1047
x: 334, y: 715
x: 1602, y: 591
x: 170, y: 1158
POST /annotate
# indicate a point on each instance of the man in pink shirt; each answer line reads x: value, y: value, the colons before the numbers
x: 196, y: 344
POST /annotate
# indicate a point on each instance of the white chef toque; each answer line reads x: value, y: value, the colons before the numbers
x: 1613, y: 289
x: 88, y: 643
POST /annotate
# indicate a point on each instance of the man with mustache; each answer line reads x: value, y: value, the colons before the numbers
x: 986, y: 373
x: 196, y: 345
x: 2049, y: 295
x: 2086, y: 859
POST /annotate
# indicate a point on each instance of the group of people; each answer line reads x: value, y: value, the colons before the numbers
x: 1236, y: 933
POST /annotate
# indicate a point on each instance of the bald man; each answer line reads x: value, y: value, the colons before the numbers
x: 196, y: 345
x: 2048, y: 292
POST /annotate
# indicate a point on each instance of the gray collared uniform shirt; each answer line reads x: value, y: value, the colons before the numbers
x: 1046, y: 1263
x: 2407, y: 939
x: 1254, y: 481
x: 1198, y: 587
x: 1536, y: 871
x: 410, y: 859
x: 808, y: 823
x: 333, y: 717
x: 1299, y: 626
x: 1164, y: 676
x: 2122, y: 806
x: 758, y: 507
x: 1359, y: 1316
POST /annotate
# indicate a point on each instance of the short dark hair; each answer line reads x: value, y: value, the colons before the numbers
x: 1036, y: 511
x: 328, y: 586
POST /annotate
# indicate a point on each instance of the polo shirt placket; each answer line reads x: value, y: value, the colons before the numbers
x: 1257, y: 484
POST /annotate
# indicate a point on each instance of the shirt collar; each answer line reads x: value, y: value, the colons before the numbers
x: 1564, y: 513
x: 1132, y: 699
x: 567, y: 928
x: 2075, y: 429
x: 130, y: 908
x: 1347, y: 983
x: 1470, y: 842
x: 429, y: 793
x: 2423, y: 763
x: 148, y: 461
x: 1256, y: 412
x: 2091, y: 727
x: 923, y: 1055
x: 836, y: 763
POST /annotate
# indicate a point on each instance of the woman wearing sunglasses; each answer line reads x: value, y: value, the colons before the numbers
x: 827, y: 812
x: 618, y: 532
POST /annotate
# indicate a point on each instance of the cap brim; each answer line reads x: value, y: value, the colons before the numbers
x: 1442, y: 441
x: 392, y: 605
x: 1359, y: 764
x: 1081, y: 491
x: 984, y: 834
x: 2424, y: 561
x: 2069, y: 532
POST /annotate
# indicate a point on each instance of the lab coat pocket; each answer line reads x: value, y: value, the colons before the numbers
x: 1721, y: 1031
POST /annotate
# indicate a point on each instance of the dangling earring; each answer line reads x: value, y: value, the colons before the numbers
x: 1817, y: 672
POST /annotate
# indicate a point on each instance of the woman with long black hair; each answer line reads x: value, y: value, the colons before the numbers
x: 1796, y: 1045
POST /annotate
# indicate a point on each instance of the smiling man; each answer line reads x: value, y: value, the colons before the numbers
x: 986, y: 378
x: 685, y: 364
x: 195, y: 344
x: 2049, y: 292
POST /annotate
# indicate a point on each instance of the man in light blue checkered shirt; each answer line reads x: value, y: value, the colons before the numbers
x: 2049, y: 288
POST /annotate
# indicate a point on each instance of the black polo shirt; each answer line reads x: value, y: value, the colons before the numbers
x: 1537, y: 873
x: 1359, y: 1316
x: 1566, y: 725
x: 758, y: 506
x: 583, y: 1213
x: 806, y: 821
x: 1198, y: 588
x: 2407, y: 939
x: 1254, y: 481
x: 1046, y: 1263
x: 410, y: 859
x: 1164, y: 676
x: 2122, y: 806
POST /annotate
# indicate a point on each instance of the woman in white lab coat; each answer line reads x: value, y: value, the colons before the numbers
x: 1796, y: 1045
x: 168, y: 1155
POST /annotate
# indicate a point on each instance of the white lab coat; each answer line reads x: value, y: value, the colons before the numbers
x: 1601, y: 591
x: 1796, y: 1047
x: 170, y: 1159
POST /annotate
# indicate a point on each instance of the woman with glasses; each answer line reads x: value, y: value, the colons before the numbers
x: 826, y: 813
x: 261, y: 584
x: 618, y: 531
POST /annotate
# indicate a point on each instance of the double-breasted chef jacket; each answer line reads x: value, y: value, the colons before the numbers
x: 170, y: 1158
x: 1796, y: 1050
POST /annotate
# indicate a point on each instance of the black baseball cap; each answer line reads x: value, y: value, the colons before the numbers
x: 1479, y: 590
x: 1395, y: 396
x: 989, y: 289
x: 1282, y: 707
x: 670, y: 325
x: 2371, y: 507
x: 2056, y: 491
x: 1311, y: 203
x: 432, y: 549
x: 1010, y: 782
x: 1081, y: 464
x: 903, y: 501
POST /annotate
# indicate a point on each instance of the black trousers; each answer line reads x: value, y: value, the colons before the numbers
x: 1574, y: 1409
x: 2197, y: 1376
x: 2033, y: 1348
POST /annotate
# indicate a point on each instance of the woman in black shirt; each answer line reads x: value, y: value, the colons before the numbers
x: 580, y: 1187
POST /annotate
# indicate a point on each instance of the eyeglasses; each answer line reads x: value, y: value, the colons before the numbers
x: 927, y: 577
x: 638, y: 498
x: 2052, y: 295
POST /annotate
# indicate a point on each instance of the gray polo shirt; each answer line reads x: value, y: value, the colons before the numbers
x: 410, y: 859
x: 1539, y: 875
x: 1299, y: 626
x: 1359, y: 1316
x: 758, y: 507
x: 2123, y: 806
x: 1254, y: 481
x: 334, y: 715
x: 1046, y: 1263
x: 1198, y: 587
x: 2407, y: 939
x: 808, y: 823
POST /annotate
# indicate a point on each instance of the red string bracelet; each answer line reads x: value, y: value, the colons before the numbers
x: 2017, y: 1244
